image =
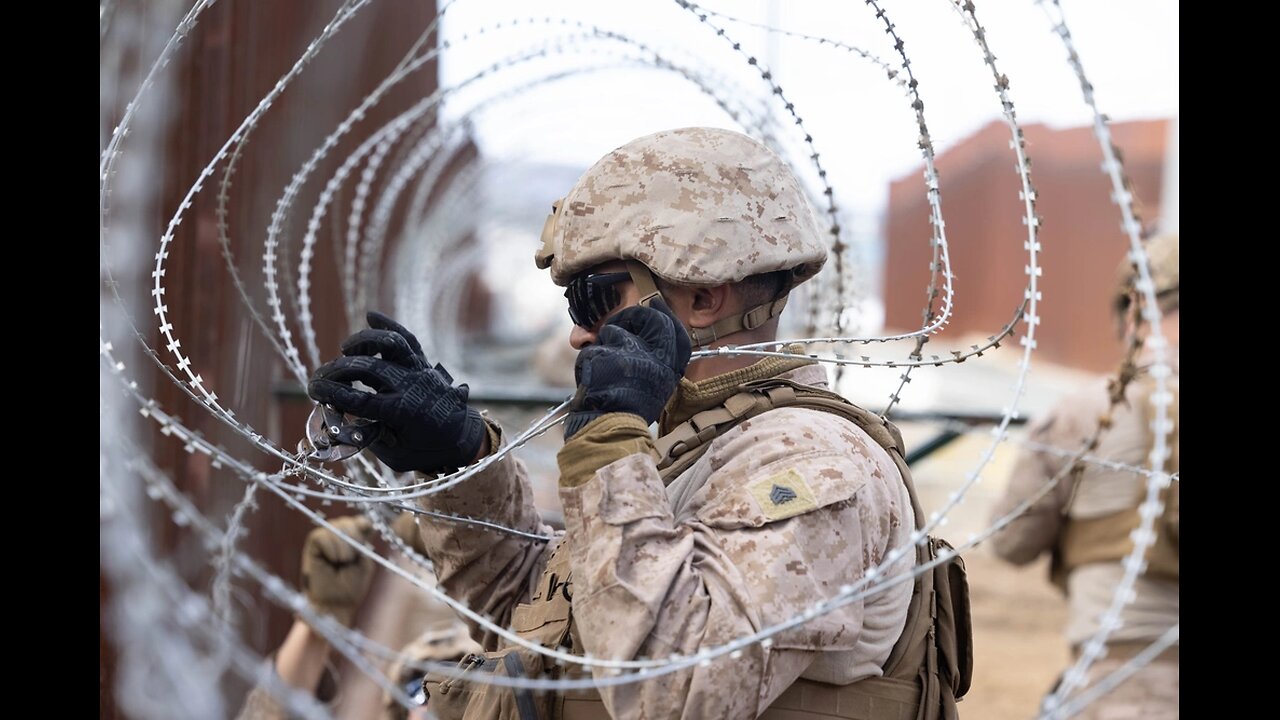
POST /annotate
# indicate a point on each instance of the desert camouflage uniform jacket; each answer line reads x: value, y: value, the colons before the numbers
x: 1098, y: 491
x: 779, y: 513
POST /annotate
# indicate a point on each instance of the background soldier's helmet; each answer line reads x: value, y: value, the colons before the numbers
x: 1162, y: 259
x: 696, y: 206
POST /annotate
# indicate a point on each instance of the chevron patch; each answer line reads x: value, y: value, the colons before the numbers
x: 783, y: 495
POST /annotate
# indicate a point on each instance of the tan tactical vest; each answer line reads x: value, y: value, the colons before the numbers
x: 928, y: 669
x: 1107, y: 538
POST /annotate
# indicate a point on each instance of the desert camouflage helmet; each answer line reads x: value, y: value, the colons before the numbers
x: 694, y: 206
x: 1162, y: 259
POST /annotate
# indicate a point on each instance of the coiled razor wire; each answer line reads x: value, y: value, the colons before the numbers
x: 417, y: 159
x: 1161, y: 425
x: 645, y: 668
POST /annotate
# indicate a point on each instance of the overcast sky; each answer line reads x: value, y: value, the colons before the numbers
x: 860, y: 122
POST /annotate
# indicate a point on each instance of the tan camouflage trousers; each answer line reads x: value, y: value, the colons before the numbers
x: 1149, y: 694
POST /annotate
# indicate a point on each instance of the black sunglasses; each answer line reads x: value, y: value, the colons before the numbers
x: 594, y: 296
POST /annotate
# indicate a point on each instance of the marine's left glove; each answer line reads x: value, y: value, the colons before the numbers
x: 406, y: 527
x: 335, y: 576
x: 426, y: 422
x: 635, y: 366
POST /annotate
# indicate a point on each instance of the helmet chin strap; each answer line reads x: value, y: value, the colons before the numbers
x: 644, y: 283
x: 701, y: 337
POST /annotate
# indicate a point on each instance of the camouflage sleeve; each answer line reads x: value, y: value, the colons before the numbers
x: 1035, y: 531
x: 489, y: 570
x: 780, y: 524
x: 260, y: 704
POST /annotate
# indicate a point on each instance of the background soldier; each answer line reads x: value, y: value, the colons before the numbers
x: 336, y: 578
x: 1085, y: 521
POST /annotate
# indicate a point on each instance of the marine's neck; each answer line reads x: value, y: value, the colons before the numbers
x: 694, y: 396
x: 713, y: 365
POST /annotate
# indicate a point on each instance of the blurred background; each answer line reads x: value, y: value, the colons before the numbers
x: 429, y: 202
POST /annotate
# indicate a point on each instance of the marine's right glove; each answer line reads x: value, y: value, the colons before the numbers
x: 634, y: 367
x: 335, y: 576
x: 426, y: 422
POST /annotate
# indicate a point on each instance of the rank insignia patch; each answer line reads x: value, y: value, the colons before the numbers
x: 780, y: 494
x: 783, y: 495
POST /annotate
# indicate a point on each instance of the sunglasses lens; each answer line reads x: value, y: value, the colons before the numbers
x: 592, y: 297
x: 577, y: 295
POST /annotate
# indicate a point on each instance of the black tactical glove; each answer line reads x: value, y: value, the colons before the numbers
x: 426, y: 422
x: 634, y: 367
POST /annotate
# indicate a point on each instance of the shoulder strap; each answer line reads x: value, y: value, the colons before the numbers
x: 684, y: 444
